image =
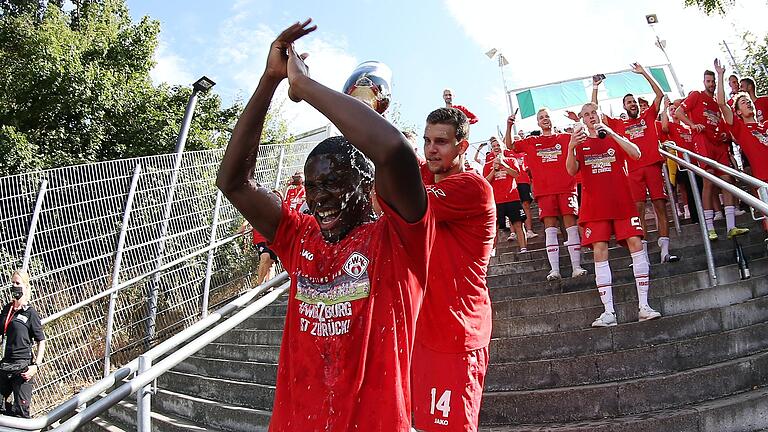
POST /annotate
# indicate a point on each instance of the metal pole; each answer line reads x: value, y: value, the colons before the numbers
x: 144, y: 399
x: 117, y: 265
x: 702, y: 223
x: 209, y: 265
x: 280, y: 168
x: 33, y: 224
x: 733, y: 59
x: 672, y: 201
x: 660, y: 44
x: 154, y: 286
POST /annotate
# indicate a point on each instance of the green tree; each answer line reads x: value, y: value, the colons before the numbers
x: 711, y: 6
x: 755, y: 61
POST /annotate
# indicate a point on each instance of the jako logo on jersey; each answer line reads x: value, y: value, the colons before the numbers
x: 307, y: 254
x: 588, y: 232
x: 436, y: 191
x: 356, y: 265
x: 611, y: 152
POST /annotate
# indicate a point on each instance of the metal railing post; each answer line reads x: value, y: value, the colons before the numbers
x: 209, y: 265
x: 144, y: 398
x: 279, y: 168
x: 154, y: 286
x: 702, y: 223
x: 117, y: 265
x: 33, y: 224
x: 672, y: 200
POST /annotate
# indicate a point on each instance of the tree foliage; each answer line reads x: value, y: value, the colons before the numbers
x: 755, y: 61
x: 75, y: 88
x: 710, y: 7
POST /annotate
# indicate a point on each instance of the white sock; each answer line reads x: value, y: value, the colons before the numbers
x: 730, y: 217
x: 645, y: 249
x: 664, y: 245
x: 708, y: 218
x: 640, y: 268
x: 604, y: 282
x: 574, y: 246
x: 553, y: 248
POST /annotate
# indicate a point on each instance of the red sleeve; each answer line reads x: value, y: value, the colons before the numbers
x: 690, y: 101
x: 611, y: 123
x: 487, y: 169
x: 457, y: 197
x: 416, y: 238
x: 470, y: 116
x: 293, y: 226
x: 522, y: 146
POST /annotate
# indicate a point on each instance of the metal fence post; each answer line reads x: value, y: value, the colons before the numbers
x: 33, y: 224
x: 672, y: 198
x: 117, y: 265
x: 702, y: 223
x: 154, y: 286
x: 279, y: 168
x: 209, y: 265
x: 144, y: 399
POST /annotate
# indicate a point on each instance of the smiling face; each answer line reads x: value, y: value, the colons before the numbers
x: 710, y: 85
x: 743, y: 106
x: 442, y: 150
x: 631, y: 106
x: 448, y: 96
x: 542, y: 118
x: 337, y: 195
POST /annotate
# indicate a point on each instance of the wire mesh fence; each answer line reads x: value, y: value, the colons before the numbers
x: 74, y: 248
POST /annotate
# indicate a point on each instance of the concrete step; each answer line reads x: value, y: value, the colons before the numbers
x: 241, y: 352
x: 124, y: 413
x: 626, y: 397
x: 226, y: 417
x: 629, y: 335
x: 240, y: 336
x: 248, y: 371
x: 742, y: 412
x: 230, y: 392
x: 100, y: 424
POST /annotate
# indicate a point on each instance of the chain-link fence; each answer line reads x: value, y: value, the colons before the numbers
x: 73, y: 254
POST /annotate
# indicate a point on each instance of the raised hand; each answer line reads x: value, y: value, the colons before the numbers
x: 719, y: 68
x: 597, y: 80
x: 637, y: 68
x: 277, y: 60
x: 297, y: 70
x: 578, y: 136
x: 510, y: 121
x: 572, y: 115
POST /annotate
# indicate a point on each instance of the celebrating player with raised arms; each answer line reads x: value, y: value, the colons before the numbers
x: 356, y: 282
x: 555, y: 189
x: 601, y: 162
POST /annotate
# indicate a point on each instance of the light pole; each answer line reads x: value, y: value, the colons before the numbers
x: 493, y: 52
x: 652, y: 20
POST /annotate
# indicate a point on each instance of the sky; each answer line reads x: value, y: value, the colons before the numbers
x: 434, y: 44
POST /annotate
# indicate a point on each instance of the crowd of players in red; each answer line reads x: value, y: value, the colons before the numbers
x: 389, y: 317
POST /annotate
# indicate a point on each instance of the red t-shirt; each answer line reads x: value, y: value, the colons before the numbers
x: 523, y: 177
x: 703, y: 109
x: 642, y: 132
x: 604, y: 183
x: 470, y: 116
x: 504, y: 185
x: 295, y: 197
x: 426, y: 175
x: 351, y: 321
x: 545, y: 156
x: 761, y: 108
x: 258, y: 238
x: 682, y: 136
x: 753, y: 140
x: 456, y: 314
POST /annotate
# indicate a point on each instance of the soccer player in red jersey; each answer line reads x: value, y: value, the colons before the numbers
x: 501, y: 172
x: 295, y: 194
x: 453, y: 331
x: 448, y: 99
x: 701, y: 113
x: 672, y: 130
x: 646, y: 173
x: 356, y: 282
x: 602, y: 164
x: 555, y: 189
x: 747, y: 85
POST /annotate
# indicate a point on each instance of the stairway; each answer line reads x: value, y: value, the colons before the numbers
x: 702, y: 367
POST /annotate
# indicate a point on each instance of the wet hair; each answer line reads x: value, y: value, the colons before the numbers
x: 709, y: 73
x: 340, y: 147
x: 624, y: 99
x: 453, y: 117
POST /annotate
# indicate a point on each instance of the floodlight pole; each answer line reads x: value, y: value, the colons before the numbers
x: 662, y: 44
x: 502, y: 62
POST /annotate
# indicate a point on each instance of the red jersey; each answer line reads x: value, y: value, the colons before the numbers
x: 605, y: 190
x: 426, y: 175
x: 682, y: 136
x: 295, y: 197
x: 350, y: 323
x: 753, y: 140
x: 470, y: 116
x: 642, y: 132
x: 456, y: 314
x: 545, y: 156
x: 523, y: 177
x: 258, y: 238
x: 504, y: 185
x: 703, y: 109
x: 761, y: 109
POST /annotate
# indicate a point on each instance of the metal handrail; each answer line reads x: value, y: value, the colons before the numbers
x: 755, y: 182
x: 14, y: 424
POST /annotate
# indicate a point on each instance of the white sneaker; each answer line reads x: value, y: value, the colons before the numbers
x: 606, y: 319
x: 493, y: 252
x: 718, y: 216
x: 647, y: 313
x: 523, y: 250
x: 553, y: 275
x: 512, y: 237
x: 531, y: 234
x: 578, y: 271
x: 686, y: 213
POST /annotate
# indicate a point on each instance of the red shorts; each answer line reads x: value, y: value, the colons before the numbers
x: 558, y: 204
x: 718, y: 152
x: 647, y: 178
x: 447, y: 389
x: 600, y: 231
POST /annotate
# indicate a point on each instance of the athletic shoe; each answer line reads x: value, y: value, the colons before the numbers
x: 736, y: 231
x: 739, y: 212
x: 686, y: 213
x: 523, y: 250
x: 712, y: 234
x: 553, y: 275
x: 493, y: 252
x: 531, y: 234
x: 512, y: 237
x: 670, y: 258
x: 606, y: 319
x: 578, y: 271
x: 718, y: 216
x: 647, y: 313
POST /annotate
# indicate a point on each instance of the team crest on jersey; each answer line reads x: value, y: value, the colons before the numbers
x: 642, y: 122
x: 588, y: 232
x: 356, y: 265
x: 558, y: 146
x: 611, y: 152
